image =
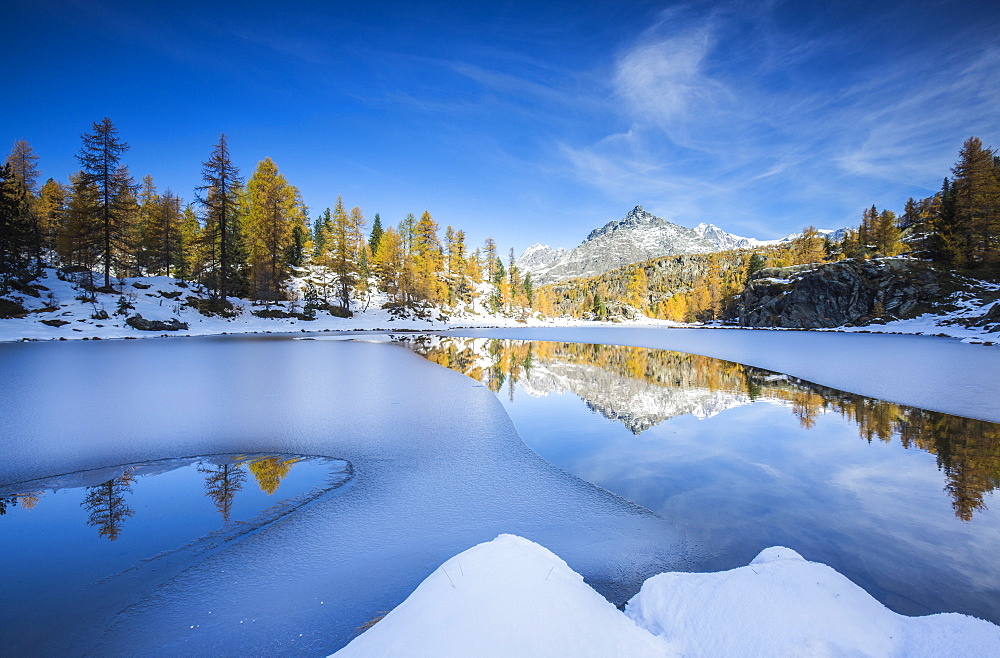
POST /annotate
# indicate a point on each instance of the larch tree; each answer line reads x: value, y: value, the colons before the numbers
x: 270, y: 471
x: 866, y: 231
x: 808, y: 247
x: 270, y: 212
x: 125, y: 247
x: 489, y: 258
x: 388, y: 264
x: 191, y: 256
x: 406, y: 231
x: 51, y: 211
x: 515, y: 283
x: 220, y: 201
x: 100, y: 162
x: 148, y: 200
x: 79, y: 237
x: 106, y: 506
x: 428, y: 261
x: 976, y: 190
x: 342, y: 247
x: 356, y: 225
x: 637, y: 290
x: 163, y: 235
x: 886, y: 234
x: 850, y: 244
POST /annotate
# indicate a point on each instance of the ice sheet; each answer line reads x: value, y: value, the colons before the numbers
x: 438, y: 467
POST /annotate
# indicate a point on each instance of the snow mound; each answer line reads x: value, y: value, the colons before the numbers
x: 783, y: 605
x: 512, y: 597
x: 506, y: 597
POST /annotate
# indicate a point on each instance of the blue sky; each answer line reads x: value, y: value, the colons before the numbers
x: 526, y: 121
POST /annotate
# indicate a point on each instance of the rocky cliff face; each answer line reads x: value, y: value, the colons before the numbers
x: 848, y: 292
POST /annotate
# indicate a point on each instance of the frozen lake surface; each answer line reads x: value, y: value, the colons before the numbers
x: 63, y: 534
x: 436, y: 466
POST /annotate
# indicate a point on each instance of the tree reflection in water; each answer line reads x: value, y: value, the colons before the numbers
x: 618, y: 381
x: 106, y: 506
x: 270, y: 471
x: 222, y: 483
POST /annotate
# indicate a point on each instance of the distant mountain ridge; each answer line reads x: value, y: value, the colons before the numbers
x: 724, y: 241
x: 638, y: 236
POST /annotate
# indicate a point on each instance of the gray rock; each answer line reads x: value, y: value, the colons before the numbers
x: 142, y: 324
x: 848, y: 292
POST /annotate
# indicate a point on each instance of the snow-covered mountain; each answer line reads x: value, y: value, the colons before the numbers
x: 638, y: 236
x: 833, y: 234
x: 538, y: 257
x: 725, y: 241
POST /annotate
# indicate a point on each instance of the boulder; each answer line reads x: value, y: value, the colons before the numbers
x: 142, y: 324
x: 848, y: 292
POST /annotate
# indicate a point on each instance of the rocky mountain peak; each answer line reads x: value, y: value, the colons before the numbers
x: 636, y: 218
x: 539, y: 256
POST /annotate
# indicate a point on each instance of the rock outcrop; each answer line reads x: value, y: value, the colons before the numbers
x: 142, y: 324
x: 848, y: 292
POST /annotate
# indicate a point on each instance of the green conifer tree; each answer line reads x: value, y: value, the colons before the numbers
x: 220, y: 200
x: 100, y: 161
x: 376, y: 234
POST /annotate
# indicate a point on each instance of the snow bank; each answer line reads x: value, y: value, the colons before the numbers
x: 506, y: 597
x: 782, y: 605
x: 512, y: 597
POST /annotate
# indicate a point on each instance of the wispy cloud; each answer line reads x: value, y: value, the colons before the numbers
x: 663, y: 81
x: 735, y: 119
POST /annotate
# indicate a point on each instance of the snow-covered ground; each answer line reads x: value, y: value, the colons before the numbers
x: 64, y: 311
x: 512, y: 597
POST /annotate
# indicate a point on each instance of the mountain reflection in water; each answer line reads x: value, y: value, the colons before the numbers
x: 642, y: 387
